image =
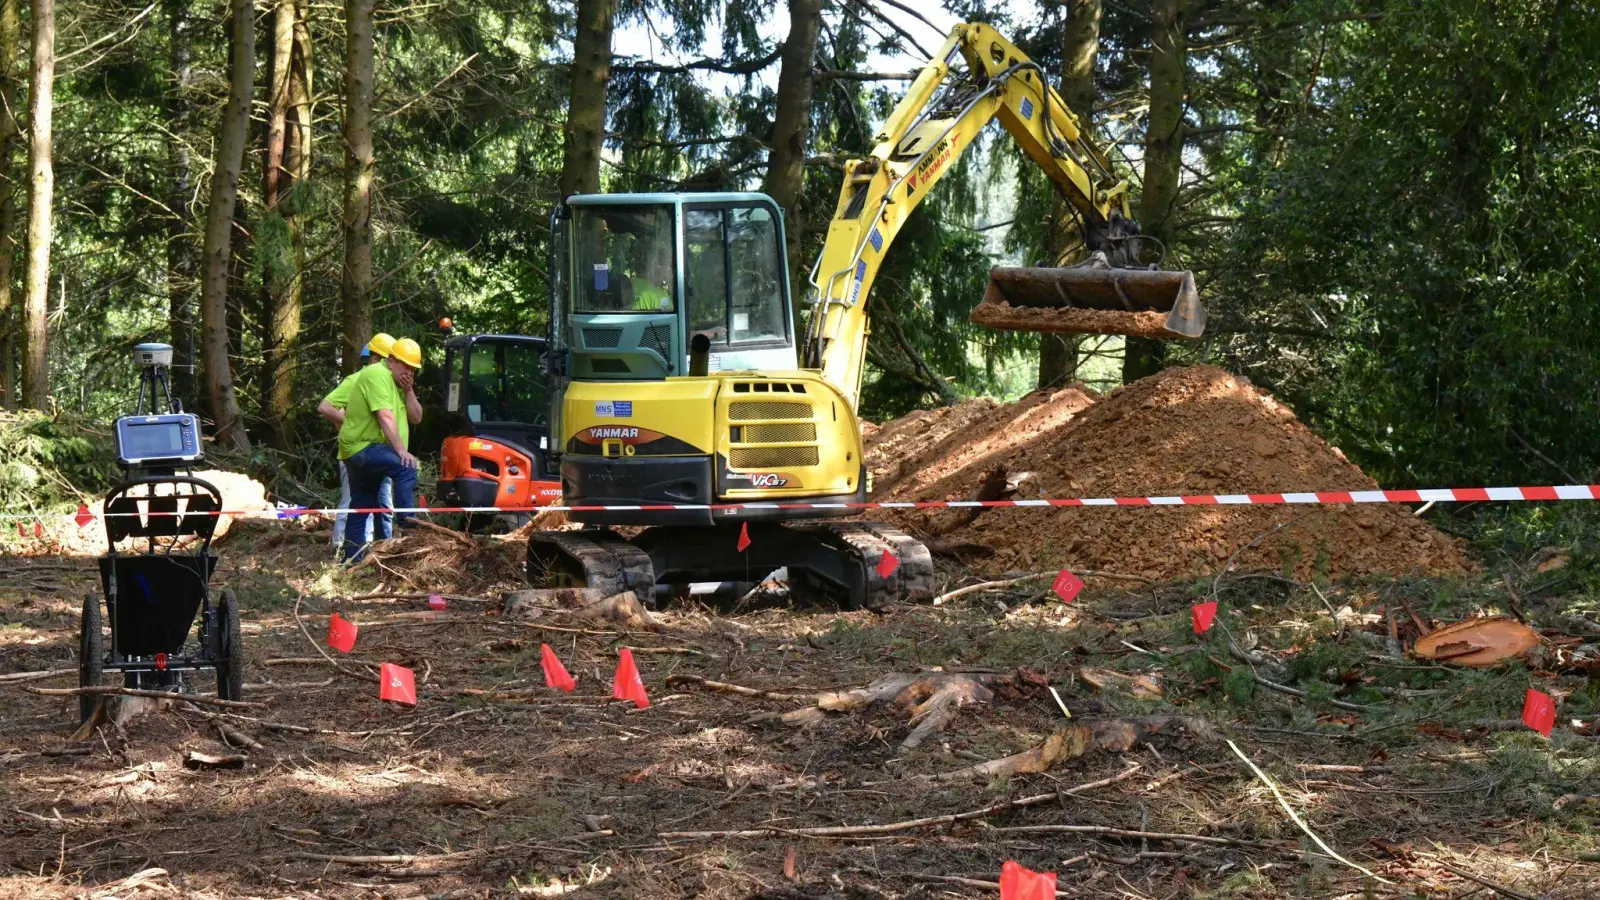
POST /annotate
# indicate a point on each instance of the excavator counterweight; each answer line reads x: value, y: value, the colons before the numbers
x: 1092, y: 300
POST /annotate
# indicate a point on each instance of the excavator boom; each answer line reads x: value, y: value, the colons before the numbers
x: 978, y: 76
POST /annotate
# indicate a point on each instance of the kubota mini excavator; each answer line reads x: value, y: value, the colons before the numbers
x: 677, y: 400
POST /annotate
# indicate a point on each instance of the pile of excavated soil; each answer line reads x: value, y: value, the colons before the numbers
x: 1192, y: 430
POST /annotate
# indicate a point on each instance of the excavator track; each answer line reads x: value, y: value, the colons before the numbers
x: 595, y: 558
x: 866, y: 542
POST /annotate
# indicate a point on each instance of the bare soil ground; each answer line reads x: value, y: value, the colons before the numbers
x: 494, y: 786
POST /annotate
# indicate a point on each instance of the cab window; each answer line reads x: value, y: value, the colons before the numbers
x: 624, y: 260
x: 505, y: 383
x: 734, y: 275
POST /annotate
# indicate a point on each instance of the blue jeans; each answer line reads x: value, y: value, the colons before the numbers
x: 368, y: 469
x: 385, y: 498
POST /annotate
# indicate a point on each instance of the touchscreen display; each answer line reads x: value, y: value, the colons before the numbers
x: 152, y: 441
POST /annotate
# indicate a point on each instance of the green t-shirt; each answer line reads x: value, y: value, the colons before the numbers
x: 360, y: 395
x: 649, y: 297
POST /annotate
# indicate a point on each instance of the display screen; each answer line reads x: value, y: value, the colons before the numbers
x: 155, y: 440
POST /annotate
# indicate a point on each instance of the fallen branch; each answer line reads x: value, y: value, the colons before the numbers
x: 364, y: 676
x: 969, y: 882
x: 1295, y: 692
x: 907, y: 825
x: 1078, y: 738
x: 393, y: 595
x: 1491, y: 885
x: 465, y: 540
x: 136, y: 692
x: 1296, y: 816
x: 35, y: 676
x: 1005, y: 583
x: 1109, y: 831
x: 726, y: 688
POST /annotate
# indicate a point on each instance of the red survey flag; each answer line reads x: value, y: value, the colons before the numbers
x: 626, y: 684
x: 436, y: 601
x: 22, y: 530
x: 397, y: 683
x: 555, y: 674
x: 1539, y: 712
x: 38, y: 529
x: 1067, y: 586
x: 1018, y: 883
x: 84, y: 517
x: 887, y: 563
x: 1204, y: 614
x: 341, y: 634
x: 744, y: 536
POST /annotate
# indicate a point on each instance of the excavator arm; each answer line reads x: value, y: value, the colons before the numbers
x: 977, y: 76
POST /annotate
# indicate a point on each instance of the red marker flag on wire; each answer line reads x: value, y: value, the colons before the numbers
x: 1539, y: 712
x: 555, y: 674
x: 626, y: 684
x: 887, y: 563
x: 744, y: 536
x: 84, y: 517
x: 1067, y: 586
x: 1204, y: 614
x: 397, y: 683
x: 22, y: 530
x: 38, y: 529
x: 341, y: 634
x: 1018, y: 883
x: 436, y: 602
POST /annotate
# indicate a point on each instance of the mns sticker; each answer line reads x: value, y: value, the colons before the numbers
x: 614, y: 409
x: 763, y: 479
x: 1027, y: 108
x: 627, y: 434
x: 855, y: 287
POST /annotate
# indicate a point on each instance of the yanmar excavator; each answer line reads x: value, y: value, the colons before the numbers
x: 677, y: 397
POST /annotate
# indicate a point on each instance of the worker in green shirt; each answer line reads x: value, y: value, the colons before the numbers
x: 373, y: 439
x: 332, y: 409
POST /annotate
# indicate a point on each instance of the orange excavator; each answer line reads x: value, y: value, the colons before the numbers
x: 497, y: 413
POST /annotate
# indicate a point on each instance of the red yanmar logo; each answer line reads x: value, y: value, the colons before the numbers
x: 931, y: 166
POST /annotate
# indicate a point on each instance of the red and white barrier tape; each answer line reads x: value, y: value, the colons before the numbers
x: 1434, y: 495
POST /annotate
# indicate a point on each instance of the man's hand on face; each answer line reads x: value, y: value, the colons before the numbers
x: 406, y: 377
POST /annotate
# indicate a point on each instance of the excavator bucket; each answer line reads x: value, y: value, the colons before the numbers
x: 1090, y: 300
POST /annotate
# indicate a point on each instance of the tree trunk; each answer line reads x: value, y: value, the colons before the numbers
x: 35, y: 374
x: 272, y: 246
x: 1163, y: 158
x: 10, y: 140
x: 288, y: 301
x: 1080, y: 44
x: 232, y: 132
x: 586, y: 111
x: 183, y: 264
x: 791, y: 128
x: 356, y: 286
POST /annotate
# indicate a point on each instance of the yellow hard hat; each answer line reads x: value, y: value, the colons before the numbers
x: 407, y: 351
x: 381, y: 344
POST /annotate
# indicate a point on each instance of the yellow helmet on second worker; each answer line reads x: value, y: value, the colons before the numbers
x: 381, y: 344
x: 409, y: 352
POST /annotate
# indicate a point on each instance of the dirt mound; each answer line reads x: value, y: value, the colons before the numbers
x: 1183, y: 431
x: 61, y: 535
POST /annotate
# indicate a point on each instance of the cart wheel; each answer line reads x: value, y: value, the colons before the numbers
x: 91, y: 655
x: 230, y: 662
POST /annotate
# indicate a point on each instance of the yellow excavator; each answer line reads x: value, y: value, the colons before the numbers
x: 684, y: 404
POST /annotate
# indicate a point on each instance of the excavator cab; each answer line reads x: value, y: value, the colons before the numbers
x: 650, y: 272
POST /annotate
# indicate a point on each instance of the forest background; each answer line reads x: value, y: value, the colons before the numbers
x: 1392, y: 207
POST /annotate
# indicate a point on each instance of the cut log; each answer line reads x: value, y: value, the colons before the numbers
x: 1478, y: 642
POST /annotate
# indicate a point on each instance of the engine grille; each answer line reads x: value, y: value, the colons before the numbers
x: 753, y: 410
x: 771, y: 457
x: 778, y: 433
